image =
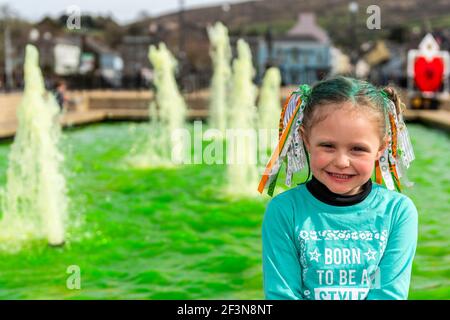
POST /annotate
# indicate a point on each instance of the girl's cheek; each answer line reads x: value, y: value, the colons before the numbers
x: 320, y: 159
x: 365, y: 165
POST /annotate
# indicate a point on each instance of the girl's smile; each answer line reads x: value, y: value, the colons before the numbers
x: 340, y: 177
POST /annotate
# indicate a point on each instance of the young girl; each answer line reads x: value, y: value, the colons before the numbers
x: 340, y: 236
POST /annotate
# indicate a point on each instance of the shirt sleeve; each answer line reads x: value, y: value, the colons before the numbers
x: 281, y: 264
x: 393, y: 277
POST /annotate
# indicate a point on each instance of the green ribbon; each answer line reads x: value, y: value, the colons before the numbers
x: 304, y: 90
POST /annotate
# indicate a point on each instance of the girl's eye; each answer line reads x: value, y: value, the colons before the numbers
x: 328, y: 146
x: 358, y: 149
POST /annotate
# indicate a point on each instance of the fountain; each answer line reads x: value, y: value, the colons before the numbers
x: 269, y: 100
x: 269, y: 111
x: 167, y: 116
x: 34, y: 201
x: 241, y: 143
x: 220, y: 55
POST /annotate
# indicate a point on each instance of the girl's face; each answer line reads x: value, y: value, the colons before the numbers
x: 343, y: 148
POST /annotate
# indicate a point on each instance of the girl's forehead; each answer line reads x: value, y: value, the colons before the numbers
x: 345, y: 123
x: 345, y: 106
x: 346, y: 111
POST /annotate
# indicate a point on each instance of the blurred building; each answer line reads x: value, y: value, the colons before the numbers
x: 134, y: 51
x: 340, y: 62
x: 66, y: 53
x: 303, y: 54
x: 82, y: 58
x: 386, y: 63
x: 102, y: 62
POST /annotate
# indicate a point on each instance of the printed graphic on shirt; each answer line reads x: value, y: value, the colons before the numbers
x: 340, y: 264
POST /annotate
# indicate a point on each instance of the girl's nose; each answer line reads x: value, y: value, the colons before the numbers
x: 342, y: 161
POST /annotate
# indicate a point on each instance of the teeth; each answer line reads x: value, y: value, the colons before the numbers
x: 340, y: 176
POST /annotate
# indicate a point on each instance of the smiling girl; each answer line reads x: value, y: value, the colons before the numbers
x: 340, y: 236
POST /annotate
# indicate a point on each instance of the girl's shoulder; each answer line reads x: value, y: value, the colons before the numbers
x: 390, y: 194
x: 399, y: 203
x: 289, y: 194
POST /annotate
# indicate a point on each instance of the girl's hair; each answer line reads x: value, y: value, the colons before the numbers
x: 362, y: 95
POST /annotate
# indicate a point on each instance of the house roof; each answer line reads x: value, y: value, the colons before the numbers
x: 97, y: 46
x: 307, y: 29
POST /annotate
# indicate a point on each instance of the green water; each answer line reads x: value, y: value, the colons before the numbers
x: 170, y: 234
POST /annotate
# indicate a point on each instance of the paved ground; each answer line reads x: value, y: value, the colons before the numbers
x: 75, y: 118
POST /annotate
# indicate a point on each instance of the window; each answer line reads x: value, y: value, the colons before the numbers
x: 295, y: 55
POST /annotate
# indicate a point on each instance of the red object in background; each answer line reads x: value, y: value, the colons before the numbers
x: 428, y: 73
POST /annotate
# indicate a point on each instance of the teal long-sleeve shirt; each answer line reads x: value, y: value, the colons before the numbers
x: 312, y: 250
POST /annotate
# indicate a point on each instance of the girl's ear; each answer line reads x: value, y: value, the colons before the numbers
x: 383, y: 147
x: 304, y: 138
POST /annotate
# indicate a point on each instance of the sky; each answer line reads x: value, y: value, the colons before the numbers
x: 123, y: 11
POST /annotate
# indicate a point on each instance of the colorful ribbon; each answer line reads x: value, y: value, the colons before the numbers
x: 290, y: 144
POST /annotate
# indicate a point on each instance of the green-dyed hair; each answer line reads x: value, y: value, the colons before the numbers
x: 361, y: 94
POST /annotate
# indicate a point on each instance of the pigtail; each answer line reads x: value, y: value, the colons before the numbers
x: 393, y: 164
x: 393, y: 95
x: 290, y: 148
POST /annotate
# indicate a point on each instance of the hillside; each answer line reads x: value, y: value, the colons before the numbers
x: 254, y: 17
x: 403, y: 21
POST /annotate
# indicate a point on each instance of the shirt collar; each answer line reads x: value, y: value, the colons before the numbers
x: 322, y: 193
